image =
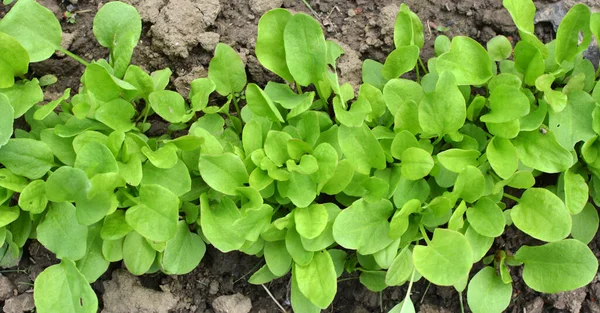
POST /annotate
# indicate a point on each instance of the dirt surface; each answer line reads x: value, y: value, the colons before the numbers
x: 181, y: 35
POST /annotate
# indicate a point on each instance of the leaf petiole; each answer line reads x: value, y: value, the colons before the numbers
x: 424, y: 234
x: 73, y: 55
x: 511, y: 197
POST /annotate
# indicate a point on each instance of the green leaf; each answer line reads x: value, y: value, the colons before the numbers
x: 116, y: 114
x: 317, y: 281
x: 177, y: 178
x: 401, y: 268
x: 112, y: 250
x: 311, y: 221
x: 480, y: 244
x: 467, y: 60
x: 93, y: 264
x: 33, y: 197
x: 373, y: 280
x: 299, y: 188
x: 470, y: 184
x: 542, y: 215
x: 155, y: 215
x: 183, y: 252
x: 8, y: 215
x: 364, y: 226
x: 27, y: 157
x: 372, y: 74
x: 12, y: 182
x: 559, y: 266
x: 67, y: 184
x: 305, y: 49
x: 416, y: 163
x: 574, y: 123
x: 270, y: 49
x: 224, y: 173
x: 499, y: 48
x: 293, y: 245
x: 487, y: 292
x: 585, y: 224
x: 507, y: 103
x: 138, y: 254
x: 486, y: 218
x: 62, y: 288
x: 14, y: 60
x: 23, y: 95
x: 410, y: 189
x: 299, y: 302
x: 574, y: 24
x: 35, y: 27
x: 523, y: 13
x: 456, y: 160
x: 261, y: 105
x: 401, y: 60
x: 217, y: 221
x: 361, y: 148
x: 327, y: 159
x: 164, y: 157
x: 443, y: 111
x: 95, y: 158
x: 118, y: 26
x: 576, y: 191
x: 227, y: 70
x: 408, y: 29
x: 169, y: 105
x: 276, y: 146
x: 115, y: 226
x: 6, y: 120
x: 60, y: 232
x: 405, y: 306
x: 502, y: 156
x: 542, y: 152
x: 277, y: 258
x: 446, y: 260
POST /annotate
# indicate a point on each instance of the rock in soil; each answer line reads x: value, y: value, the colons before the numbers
x: 569, y: 300
x: 19, y: 304
x: 261, y: 6
x: 430, y: 308
x: 125, y: 294
x: 236, y: 303
x: 535, y: 306
x: 6, y: 288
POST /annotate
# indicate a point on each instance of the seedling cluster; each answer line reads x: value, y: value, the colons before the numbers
x: 396, y: 180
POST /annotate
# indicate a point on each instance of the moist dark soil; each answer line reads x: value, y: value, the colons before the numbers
x: 181, y: 35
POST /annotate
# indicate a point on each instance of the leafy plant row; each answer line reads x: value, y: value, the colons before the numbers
x: 396, y: 180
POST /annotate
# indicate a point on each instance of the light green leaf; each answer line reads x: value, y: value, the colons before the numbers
x: 487, y: 292
x: 6, y: 120
x: 499, y: 48
x: 95, y: 158
x: 542, y: 215
x: 27, y: 157
x: 305, y: 49
x: 416, y: 163
x: 401, y: 269
x: 35, y: 27
x: 62, y: 288
x: 155, y: 214
x: 408, y: 29
x: 572, y: 26
x: 456, y: 160
x: 277, y: 258
x: 227, y: 71
x: 217, y: 221
x: 507, y: 103
x: 116, y: 114
x: 67, y: 184
x: 311, y: 221
x: 270, y: 49
x: 299, y: 188
x: 361, y: 148
x: 486, y: 218
x: 576, y: 191
x: 60, y: 232
x: 542, y: 152
x: 372, y: 74
x: 261, y: 105
x: 115, y: 226
x: 502, y: 156
x: 446, y: 260
x: 443, y: 111
x: 224, y: 173
x: 169, y: 105
x: 118, y: 26
x: 364, y: 226
x: 183, y: 252
x: 585, y: 224
x: 14, y: 60
x: 401, y: 60
x: 317, y: 281
x: 559, y: 266
x: 177, y: 178
x: 93, y: 264
x: 470, y: 184
x: 23, y: 95
x: 523, y: 13
x: 574, y: 122
x: 138, y: 254
x: 467, y: 60
x: 33, y: 197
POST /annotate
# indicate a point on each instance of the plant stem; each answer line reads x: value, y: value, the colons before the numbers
x: 423, y: 66
x: 73, y: 55
x: 130, y: 197
x: 418, y: 74
x: 460, y: 299
x: 424, y: 234
x: 299, y: 88
x: 237, y: 106
x: 511, y: 197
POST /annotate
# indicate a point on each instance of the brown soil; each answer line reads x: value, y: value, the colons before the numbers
x: 181, y: 35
